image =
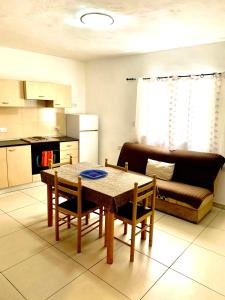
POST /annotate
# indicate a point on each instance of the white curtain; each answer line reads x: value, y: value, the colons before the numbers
x: 182, y: 113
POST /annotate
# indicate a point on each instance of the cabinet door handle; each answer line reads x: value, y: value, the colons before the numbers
x: 11, y: 150
x: 40, y: 96
x: 57, y: 104
x: 68, y: 146
x: 5, y: 102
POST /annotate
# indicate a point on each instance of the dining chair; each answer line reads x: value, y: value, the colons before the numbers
x: 125, y: 168
x: 138, y: 211
x: 52, y: 165
x: 75, y: 207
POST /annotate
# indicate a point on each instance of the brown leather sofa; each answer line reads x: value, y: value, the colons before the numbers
x: 189, y: 194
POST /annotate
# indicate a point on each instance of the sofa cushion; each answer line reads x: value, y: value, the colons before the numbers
x: 160, y: 169
x: 189, y: 194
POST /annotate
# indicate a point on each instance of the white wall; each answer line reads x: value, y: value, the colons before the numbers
x: 113, y: 98
x: 25, y: 65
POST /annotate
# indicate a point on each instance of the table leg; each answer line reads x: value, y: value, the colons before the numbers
x: 49, y: 203
x: 110, y: 236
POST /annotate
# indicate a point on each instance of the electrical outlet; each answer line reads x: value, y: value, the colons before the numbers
x: 3, y: 129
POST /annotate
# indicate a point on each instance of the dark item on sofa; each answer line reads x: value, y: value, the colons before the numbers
x: 189, y: 194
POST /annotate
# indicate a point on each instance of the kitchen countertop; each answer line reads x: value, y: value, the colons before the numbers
x: 65, y: 139
x: 20, y: 142
x: 11, y: 143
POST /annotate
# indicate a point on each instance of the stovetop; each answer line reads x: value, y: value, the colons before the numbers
x: 40, y: 139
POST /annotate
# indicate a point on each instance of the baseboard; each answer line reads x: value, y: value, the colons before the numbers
x: 222, y: 206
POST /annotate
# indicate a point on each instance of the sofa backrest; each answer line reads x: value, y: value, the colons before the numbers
x: 191, y: 167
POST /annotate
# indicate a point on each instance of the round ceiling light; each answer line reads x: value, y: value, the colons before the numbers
x: 95, y: 19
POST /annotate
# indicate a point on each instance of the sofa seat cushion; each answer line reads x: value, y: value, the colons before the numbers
x: 192, y: 195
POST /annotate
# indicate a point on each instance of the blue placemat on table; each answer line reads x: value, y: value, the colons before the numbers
x: 93, y: 173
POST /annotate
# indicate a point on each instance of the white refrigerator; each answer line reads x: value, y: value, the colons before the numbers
x: 85, y: 128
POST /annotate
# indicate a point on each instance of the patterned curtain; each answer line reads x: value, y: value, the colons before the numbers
x: 182, y: 113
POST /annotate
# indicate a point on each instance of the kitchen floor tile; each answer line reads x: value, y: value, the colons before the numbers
x: 43, y: 274
x: 204, y: 266
x: 38, y: 192
x: 184, y: 229
x: 15, y: 200
x: 165, y: 247
x: 8, y: 225
x: 212, y: 239
x: 92, y: 250
x: 18, y: 246
x: 97, y: 290
x: 158, y: 215
x: 132, y: 279
x: 219, y: 221
x: 30, y: 214
x: 8, y: 292
x: 174, y: 286
x: 48, y: 233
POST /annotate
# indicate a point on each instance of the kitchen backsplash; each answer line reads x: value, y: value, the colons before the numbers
x: 31, y: 121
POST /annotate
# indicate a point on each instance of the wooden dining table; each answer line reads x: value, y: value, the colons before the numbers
x: 111, y: 192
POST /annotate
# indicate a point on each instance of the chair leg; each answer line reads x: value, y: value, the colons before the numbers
x: 124, y: 228
x: 56, y: 225
x: 87, y: 217
x: 79, y: 235
x: 100, y: 221
x: 68, y: 221
x: 133, y: 230
x: 151, y: 230
x: 106, y: 228
x: 143, y: 234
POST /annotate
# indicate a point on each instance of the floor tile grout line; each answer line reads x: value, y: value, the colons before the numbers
x: 82, y: 273
x: 109, y: 284
x: 14, y: 286
x: 6, y: 212
x: 198, y: 282
x: 55, y: 247
x: 19, y: 188
x: 23, y: 260
x: 155, y: 283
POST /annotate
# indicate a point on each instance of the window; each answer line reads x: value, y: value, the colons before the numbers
x: 182, y: 113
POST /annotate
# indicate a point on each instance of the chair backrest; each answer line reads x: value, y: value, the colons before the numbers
x: 68, y: 188
x: 51, y: 165
x: 145, y: 194
x: 125, y: 168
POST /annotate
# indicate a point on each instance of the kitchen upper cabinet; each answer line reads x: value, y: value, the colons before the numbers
x: 63, y: 96
x: 19, y: 165
x: 3, y: 168
x: 35, y: 90
x: 11, y: 93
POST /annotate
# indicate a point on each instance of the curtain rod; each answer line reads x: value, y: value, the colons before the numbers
x: 179, y: 76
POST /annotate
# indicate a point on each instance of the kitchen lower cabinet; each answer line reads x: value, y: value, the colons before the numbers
x: 3, y: 169
x: 67, y: 149
x: 11, y: 93
x: 19, y: 165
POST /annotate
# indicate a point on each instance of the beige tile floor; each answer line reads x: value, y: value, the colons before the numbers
x: 186, y: 261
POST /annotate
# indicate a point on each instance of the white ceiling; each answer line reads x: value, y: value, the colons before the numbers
x: 140, y: 26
